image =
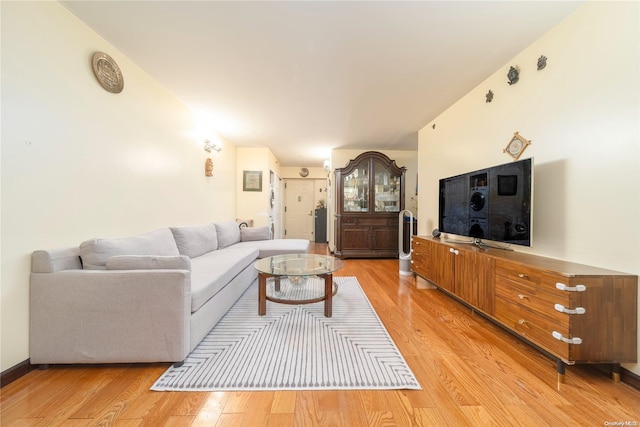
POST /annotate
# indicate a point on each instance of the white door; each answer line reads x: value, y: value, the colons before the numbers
x: 298, y: 213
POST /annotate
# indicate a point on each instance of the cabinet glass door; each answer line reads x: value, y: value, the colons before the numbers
x: 356, y: 190
x: 387, y: 189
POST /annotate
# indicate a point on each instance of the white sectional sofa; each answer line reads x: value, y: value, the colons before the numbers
x: 151, y: 297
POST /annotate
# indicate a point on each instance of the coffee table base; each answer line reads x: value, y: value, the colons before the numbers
x: 262, y: 294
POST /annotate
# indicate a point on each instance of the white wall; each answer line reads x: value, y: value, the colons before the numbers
x: 340, y: 158
x: 582, y: 115
x: 255, y: 204
x: 79, y: 162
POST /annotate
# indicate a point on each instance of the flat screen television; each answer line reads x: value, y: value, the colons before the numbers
x: 493, y: 204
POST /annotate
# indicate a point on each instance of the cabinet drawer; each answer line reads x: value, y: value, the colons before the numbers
x: 530, y: 276
x: 418, y: 245
x: 373, y: 221
x: 368, y: 221
x: 419, y: 252
x: 419, y: 257
x: 420, y: 269
x: 535, y: 328
x: 533, y: 299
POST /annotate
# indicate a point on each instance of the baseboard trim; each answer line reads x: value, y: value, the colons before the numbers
x: 15, y: 372
x: 630, y: 378
x: 626, y: 376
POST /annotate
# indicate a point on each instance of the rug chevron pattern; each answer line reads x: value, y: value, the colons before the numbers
x: 294, y: 347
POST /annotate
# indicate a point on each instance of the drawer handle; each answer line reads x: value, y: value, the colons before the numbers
x: 577, y: 288
x: 522, y: 275
x: 575, y: 340
x: 521, y: 296
x: 561, y: 308
x: 523, y: 323
x: 454, y: 251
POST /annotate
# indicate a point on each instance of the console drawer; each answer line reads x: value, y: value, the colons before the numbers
x: 537, y: 329
x: 530, y: 276
x: 529, y: 297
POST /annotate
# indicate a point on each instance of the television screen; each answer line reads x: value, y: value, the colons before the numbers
x: 493, y: 204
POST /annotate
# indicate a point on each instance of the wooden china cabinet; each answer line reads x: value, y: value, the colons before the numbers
x: 369, y: 198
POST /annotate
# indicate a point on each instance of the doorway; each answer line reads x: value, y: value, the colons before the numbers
x: 299, y: 209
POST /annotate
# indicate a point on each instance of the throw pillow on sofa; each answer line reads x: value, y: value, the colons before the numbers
x: 251, y: 234
x: 228, y: 233
x: 195, y: 240
x: 96, y: 252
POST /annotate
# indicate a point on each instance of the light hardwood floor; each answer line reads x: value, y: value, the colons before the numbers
x: 472, y: 374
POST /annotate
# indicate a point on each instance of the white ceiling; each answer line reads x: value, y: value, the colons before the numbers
x: 305, y: 77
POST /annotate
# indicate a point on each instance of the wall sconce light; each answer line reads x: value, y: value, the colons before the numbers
x: 209, y: 145
x: 327, y: 165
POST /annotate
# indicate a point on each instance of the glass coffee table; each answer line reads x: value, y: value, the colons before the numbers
x: 291, y: 279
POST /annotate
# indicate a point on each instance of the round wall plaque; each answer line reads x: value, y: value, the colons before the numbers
x: 107, y: 72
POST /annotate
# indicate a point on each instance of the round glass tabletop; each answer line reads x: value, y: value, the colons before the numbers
x: 298, y: 265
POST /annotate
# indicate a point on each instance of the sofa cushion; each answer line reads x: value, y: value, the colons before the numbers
x: 268, y: 248
x: 148, y: 262
x: 250, y: 234
x: 214, y: 270
x: 195, y: 240
x: 96, y: 252
x: 228, y: 233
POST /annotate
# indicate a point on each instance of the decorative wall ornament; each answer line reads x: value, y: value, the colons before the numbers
x: 107, y: 72
x: 252, y: 181
x: 513, y: 75
x: 542, y: 62
x: 489, y: 96
x: 208, y: 167
x: 516, y: 146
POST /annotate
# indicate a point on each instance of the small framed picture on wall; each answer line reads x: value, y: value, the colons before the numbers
x: 252, y: 181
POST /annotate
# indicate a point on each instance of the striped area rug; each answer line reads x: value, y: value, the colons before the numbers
x: 294, y: 347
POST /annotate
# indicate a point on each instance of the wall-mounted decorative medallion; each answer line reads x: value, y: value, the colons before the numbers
x: 542, y: 62
x: 303, y: 172
x: 516, y: 146
x: 489, y: 96
x: 513, y: 75
x: 107, y: 72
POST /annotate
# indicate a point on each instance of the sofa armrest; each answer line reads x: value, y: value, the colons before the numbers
x: 100, y: 316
